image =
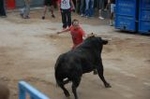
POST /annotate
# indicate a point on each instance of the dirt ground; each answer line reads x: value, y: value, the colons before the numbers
x: 29, y: 49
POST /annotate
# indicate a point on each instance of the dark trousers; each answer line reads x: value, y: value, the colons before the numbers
x: 66, y: 17
x: 2, y: 9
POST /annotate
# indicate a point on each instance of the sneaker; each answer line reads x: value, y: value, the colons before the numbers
x: 3, y: 16
x: 43, y: 17
x: 86, y: 16
x: 91, y: 16
x: 27, y: 17
x: 100, y: 17
x: 53, y: 16
x: 111, y: 23
x: 64, y: 28
x: 21, y: 14
x: 105, y: 9
x: 82, y: 15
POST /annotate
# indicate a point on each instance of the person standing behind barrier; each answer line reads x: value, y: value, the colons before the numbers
x: 66, y: 6
x: 89, y: 10
x: 101, y: 4
x: 2, y: 9
x: 26, y: 10
x: 112, y: 7
x: 82, y: 7
x: 77, y: 6
x: 48, y: 3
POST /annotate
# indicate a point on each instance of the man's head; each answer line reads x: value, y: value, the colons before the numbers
x: 75, y: 23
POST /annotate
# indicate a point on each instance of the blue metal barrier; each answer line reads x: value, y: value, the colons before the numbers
x: 126, y: 15
x: 24, y: 88
x: 144, y: 16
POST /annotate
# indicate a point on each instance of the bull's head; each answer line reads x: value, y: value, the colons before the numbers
x: 102, y: 41
x: 93, y: 40
x: 92, y: 35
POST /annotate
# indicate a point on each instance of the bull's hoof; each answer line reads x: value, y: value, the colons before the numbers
x: 107, y: 85
x: 67, y: 94
x: 95, y: 72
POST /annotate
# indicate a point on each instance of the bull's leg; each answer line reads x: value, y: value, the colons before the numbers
x: 100, y: 73
x: 75, y: 84
x: 61, y: 84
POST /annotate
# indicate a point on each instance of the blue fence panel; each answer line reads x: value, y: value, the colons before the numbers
x: 144, y: 27
x: 25, y: 88
x: 125, y: 23
x: 126, y: 15
x: 145, y: 4
x: 126, y: 7
x: 144, y: 17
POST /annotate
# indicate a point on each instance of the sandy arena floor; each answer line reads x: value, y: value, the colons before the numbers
x: 29, y: 49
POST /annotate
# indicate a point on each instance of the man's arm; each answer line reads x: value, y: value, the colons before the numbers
x: 72, y: 5
x: 65, y: 30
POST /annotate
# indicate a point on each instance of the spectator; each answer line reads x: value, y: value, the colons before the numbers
x: 66, y: 6
x: 76, y: 32
x: 2, y: 9
x: 82, y: 7
x: 48, y: 3
x: 77, y: 6
x: 89, y: 8
x: 101, y: 5
x: 26, y: 10
x: 112, y: 4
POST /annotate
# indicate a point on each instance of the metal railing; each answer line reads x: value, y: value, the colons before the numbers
x: 25, y: 88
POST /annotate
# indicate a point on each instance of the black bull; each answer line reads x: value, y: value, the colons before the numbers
x: 85, y: 58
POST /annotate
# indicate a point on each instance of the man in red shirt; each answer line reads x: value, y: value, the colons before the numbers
x: 76, y: 32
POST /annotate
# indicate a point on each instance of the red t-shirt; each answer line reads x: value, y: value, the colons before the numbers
x: 77, y: 35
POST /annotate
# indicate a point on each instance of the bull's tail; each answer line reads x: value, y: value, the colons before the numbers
x: 60, y: 80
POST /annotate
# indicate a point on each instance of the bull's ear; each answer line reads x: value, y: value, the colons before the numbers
x: 91, y: 35
x: 104, y: 42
